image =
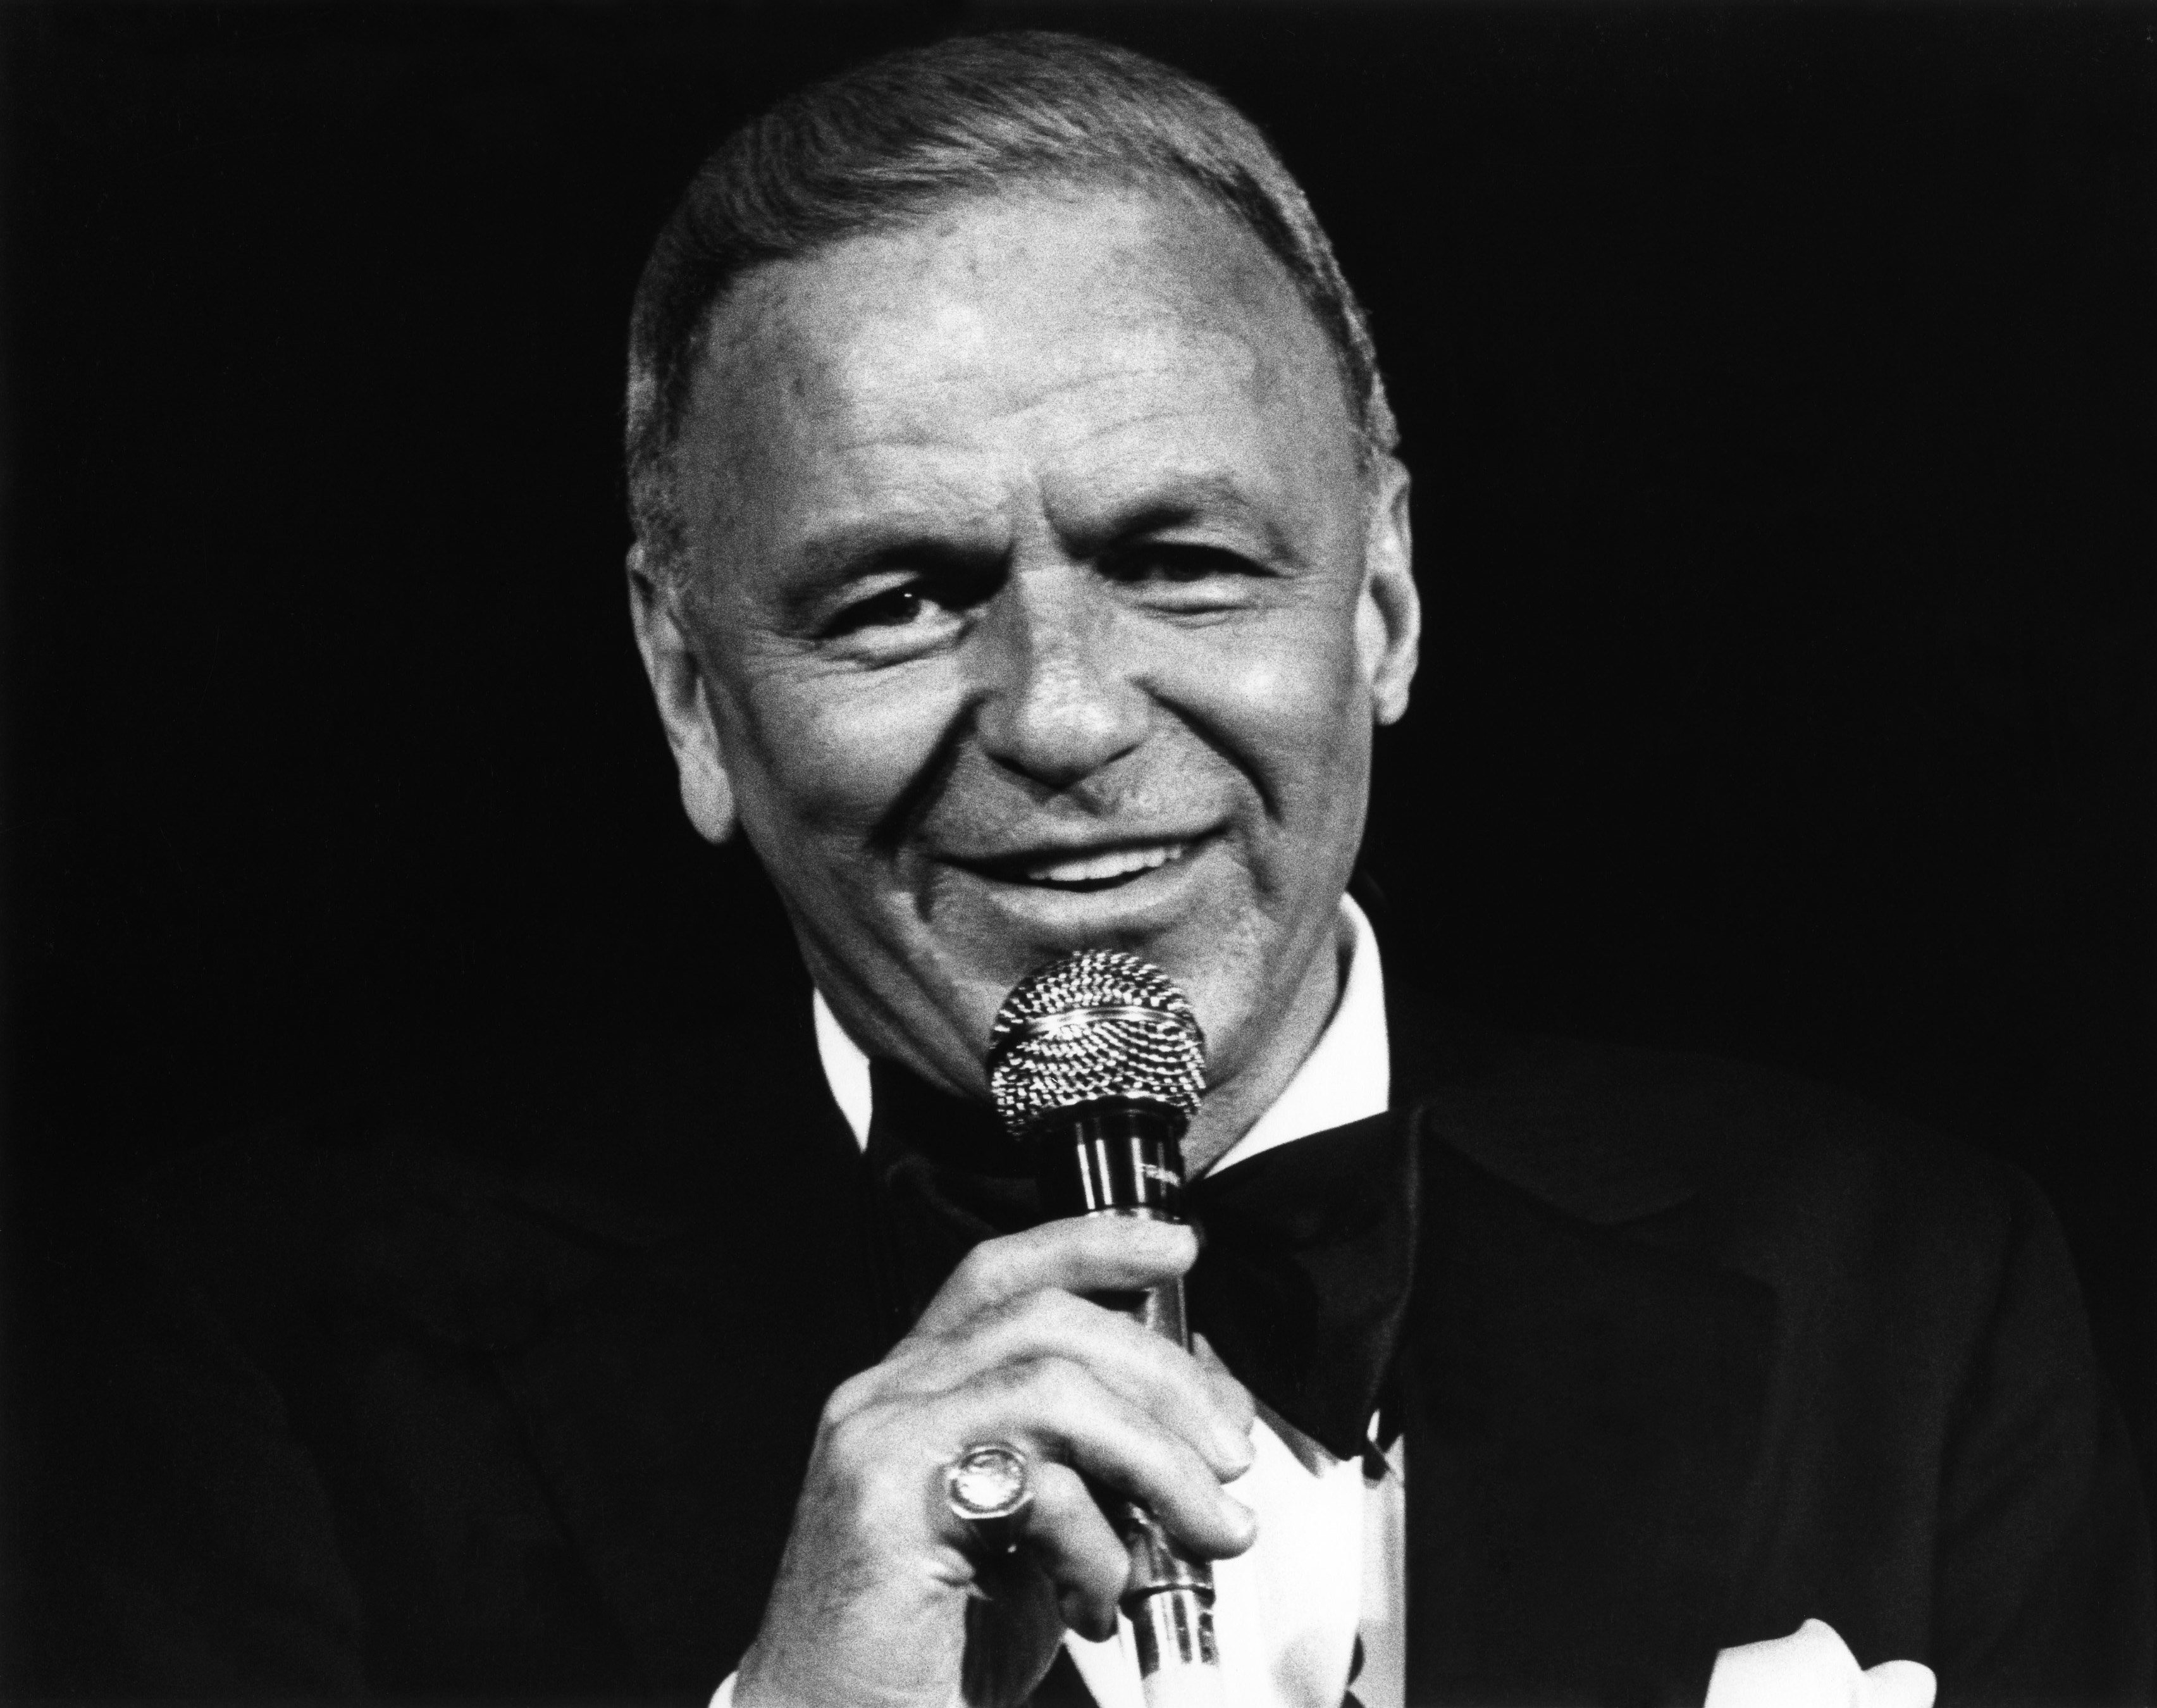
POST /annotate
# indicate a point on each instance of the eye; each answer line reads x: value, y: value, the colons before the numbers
x: 1169, y: 560
x: 893, y: 608
x: 898, y: 615
x: 1181, y: 574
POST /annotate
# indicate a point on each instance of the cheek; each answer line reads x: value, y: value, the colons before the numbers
x: 826, y: 759
x: 1292, y: 706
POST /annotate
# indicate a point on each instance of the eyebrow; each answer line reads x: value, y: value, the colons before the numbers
x: 1194, y: 498
x: 854, y: 549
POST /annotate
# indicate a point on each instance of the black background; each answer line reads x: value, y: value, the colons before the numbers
x: 1778, y: 382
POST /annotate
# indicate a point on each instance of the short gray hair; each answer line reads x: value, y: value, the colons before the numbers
x: 902, y: 137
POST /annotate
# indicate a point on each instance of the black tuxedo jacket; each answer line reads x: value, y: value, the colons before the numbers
x: 513, y: 1402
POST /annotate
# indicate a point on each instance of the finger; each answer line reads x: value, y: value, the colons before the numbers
x: 1077, y: 1548
x: 1013, y: 1630
x: 1154, y: 1375
x: 1230, y: 1397
x: 882, y: 1458
x: 1059, y: 1410
x: 1209, y: 1410
x: 1079, y: 1254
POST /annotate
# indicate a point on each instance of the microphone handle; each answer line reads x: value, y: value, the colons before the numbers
x: 1118, y: 1157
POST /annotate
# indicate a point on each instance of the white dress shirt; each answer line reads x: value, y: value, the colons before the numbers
x: 1329, y: 1563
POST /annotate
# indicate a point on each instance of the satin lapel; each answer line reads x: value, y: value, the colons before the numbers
x: 670, y: 1407
x: 1583, y: 1414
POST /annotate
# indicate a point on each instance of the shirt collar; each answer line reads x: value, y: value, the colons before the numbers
x: 1345, y: 1077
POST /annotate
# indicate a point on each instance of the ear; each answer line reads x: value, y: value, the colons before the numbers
x: 1389, y: 620
x: 680, y: 686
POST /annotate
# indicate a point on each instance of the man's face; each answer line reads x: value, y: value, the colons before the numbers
x: 1037, y: 603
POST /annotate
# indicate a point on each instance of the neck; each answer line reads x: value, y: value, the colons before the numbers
x: 1235, y: 1102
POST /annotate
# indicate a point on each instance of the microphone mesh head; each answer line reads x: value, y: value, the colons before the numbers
x: 1095, y: 1025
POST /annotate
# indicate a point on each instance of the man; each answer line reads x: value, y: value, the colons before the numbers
x: 1023, y: 565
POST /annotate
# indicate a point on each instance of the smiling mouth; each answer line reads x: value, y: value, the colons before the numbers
x: 1081, y: 872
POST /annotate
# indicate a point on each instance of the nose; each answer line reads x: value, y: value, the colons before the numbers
x: 1058, y: 701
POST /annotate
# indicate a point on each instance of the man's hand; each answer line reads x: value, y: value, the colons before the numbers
x: 872, y: 1599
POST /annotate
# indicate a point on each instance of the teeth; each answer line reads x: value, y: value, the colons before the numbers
x: 1092, y: 868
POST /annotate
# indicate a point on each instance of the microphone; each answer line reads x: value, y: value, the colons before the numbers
x: 1097, y: 1064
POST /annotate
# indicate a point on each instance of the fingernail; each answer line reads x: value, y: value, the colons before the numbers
x: 1241, y: 1519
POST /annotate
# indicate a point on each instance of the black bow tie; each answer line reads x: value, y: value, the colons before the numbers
x: 1301, y: 1285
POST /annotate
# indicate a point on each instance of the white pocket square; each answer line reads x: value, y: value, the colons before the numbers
x: 1813, y: 1668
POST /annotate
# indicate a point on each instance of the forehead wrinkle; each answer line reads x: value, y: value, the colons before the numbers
x: 1164, y: 318
x: 1178, y: 375
x: 1165, y: 395
x: 846, y: 540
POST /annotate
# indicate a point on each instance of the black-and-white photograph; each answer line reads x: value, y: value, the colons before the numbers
x: 1194, y: 854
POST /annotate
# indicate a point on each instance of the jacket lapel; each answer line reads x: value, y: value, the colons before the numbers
x: 1583, y: 1413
